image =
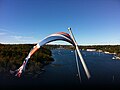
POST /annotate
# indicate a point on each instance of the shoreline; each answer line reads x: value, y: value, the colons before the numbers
x: 116, y: 56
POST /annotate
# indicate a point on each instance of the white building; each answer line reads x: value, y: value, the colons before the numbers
x: 91, y: 49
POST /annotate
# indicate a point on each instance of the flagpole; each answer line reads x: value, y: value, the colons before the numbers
x: 78, y: 69
x: 79, y: 54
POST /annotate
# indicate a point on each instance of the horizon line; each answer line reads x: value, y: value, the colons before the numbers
x: 59, y: 44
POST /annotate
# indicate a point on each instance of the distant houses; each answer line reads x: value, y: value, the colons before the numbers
x: 99, y: 50
x: 107, y: 52
x: 90, y: 49
x: 94, y: 50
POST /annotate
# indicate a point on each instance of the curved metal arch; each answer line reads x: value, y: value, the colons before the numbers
x: 53, y: 37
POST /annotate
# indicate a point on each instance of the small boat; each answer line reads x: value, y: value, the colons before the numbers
x: 71, y: 51
x: 115, y: 57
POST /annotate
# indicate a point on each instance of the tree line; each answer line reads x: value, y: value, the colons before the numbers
x: 107, y: 48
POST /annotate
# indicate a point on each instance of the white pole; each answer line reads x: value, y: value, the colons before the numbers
x: 78, y: 69
x: 79, y: 54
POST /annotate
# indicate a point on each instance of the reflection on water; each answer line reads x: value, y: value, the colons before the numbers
x: 63, y: 72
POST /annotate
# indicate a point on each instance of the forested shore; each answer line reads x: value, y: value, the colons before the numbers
x: 13, y: 55
x: 104, y: 48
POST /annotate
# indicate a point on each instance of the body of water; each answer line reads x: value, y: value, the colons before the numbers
x: 105, y: 72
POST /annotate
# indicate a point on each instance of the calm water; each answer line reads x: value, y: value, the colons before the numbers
x: 63, y: 72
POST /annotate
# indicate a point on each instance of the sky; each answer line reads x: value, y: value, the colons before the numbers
x: 93, y: 22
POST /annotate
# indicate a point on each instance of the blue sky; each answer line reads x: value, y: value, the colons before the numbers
x: 93, y: 22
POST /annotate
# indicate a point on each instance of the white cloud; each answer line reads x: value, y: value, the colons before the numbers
x: 11, y: 37
x: 1, y: 29
x: 16, y: 37
x: 2, y: 33
x: 21, y: 37
x: 7, y: 31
